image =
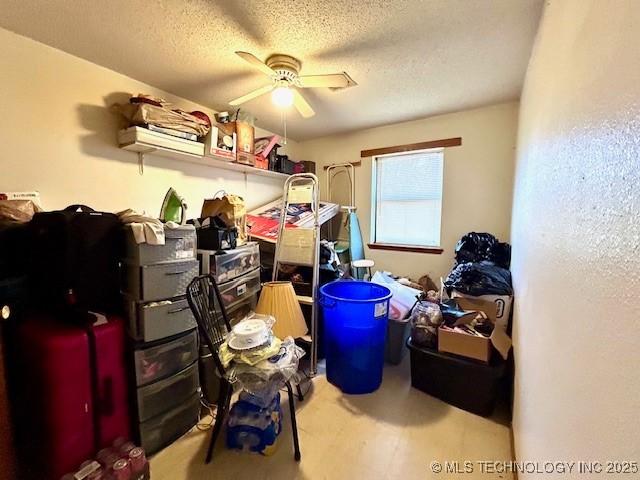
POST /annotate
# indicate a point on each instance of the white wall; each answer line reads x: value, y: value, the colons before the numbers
x: 576, y: 238
x: 58, y: 136
x: 478, y: 178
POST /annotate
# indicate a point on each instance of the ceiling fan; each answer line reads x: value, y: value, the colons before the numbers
x: 285, y: 81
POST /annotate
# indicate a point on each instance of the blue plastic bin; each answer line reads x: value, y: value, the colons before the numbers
x: 355, y: 323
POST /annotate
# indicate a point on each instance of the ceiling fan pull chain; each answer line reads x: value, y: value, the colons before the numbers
x: 284, y: 123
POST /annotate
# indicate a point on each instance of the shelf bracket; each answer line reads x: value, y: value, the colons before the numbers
x: 141, y: 163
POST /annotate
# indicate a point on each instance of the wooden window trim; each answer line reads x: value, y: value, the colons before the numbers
x: 405, y: 248
x: 446, y: 142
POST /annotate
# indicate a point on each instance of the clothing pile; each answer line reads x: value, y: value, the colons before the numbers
x: 145, y: 229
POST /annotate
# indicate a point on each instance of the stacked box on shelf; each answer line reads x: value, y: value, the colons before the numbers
x: 164, y: 339
x: 237, y: 273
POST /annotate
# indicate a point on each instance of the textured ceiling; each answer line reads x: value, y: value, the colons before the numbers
x: 410, y: 58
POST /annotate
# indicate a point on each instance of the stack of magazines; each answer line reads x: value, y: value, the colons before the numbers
x: 264, y: 221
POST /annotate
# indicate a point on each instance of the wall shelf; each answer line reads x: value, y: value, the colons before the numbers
x: 142, y: 148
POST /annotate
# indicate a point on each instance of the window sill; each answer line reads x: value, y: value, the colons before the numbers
x: 405, y: 248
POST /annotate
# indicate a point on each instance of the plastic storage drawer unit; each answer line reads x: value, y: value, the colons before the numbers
x: 242, y: 309
x: 165, y: 359
x: 235, y: 291
x: 466, y: 384
x: 159, y: 281
x: 166, y: 394
x: 229, y: 264
x: 160, y: 431
x: 179, y: 244
x: 156, y: 320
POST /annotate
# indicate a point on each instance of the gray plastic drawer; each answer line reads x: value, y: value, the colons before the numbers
x: 160, y: 281
x: 230, y: 264
x: 160, y: 431
x: 156, y: 320
x: 236, y: 291
x: 242, y: 309
x: 180, y: 244
x: 160, y: 361
x: 163, y: 395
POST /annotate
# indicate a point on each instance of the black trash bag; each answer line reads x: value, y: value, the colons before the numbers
x: 480, y: 278
x: 500, y: 254
x: 476, y: 247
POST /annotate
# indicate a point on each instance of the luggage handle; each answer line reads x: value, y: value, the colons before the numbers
x: 178, y: 310
x: 77, y: 206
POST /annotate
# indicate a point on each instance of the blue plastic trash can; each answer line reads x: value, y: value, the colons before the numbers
x: 355, y: 323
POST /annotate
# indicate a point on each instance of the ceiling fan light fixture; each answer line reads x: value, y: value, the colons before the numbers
x: 282, y: 97
x: 284, y: 72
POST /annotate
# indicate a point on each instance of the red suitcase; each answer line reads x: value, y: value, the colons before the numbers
x: 74, y: 396
x: 112, y: 397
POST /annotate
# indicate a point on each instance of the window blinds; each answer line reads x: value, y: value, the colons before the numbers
x: 409, y: 198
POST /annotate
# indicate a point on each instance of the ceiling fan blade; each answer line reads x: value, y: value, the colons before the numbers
x: 302, y: 105
x: 333, y: 80
x: 252, y: 95
x: 255, y: 61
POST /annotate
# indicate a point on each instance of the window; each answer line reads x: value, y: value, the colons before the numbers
x: 407, y: 199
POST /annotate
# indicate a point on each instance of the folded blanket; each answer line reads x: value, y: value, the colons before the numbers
x: 145, y: 229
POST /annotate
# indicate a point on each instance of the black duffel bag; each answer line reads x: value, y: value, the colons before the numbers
x: 75, y: 259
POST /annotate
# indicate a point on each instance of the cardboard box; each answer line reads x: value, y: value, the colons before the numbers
x: 309, y: 167
x: 471, y: 346
x: 262, y: 162
x: 503, y: 305
x: 245, y: 134
x: 246, y: 158
x: 214, y: 139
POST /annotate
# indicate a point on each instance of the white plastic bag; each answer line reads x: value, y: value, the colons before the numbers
x: 403, y: 298
x: 264, y: 379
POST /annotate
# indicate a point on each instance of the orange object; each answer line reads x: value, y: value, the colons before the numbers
x: 262, y: 162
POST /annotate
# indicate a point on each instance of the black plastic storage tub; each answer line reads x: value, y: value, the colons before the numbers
x: 461, y: 382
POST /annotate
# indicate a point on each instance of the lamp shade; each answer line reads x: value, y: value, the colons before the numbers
x: 279, y: 300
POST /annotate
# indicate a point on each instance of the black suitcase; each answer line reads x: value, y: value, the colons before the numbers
x: 14, y: 249
x: 75, y: 259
